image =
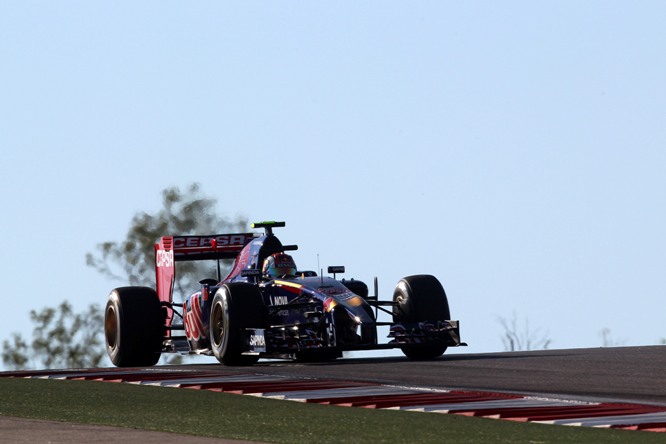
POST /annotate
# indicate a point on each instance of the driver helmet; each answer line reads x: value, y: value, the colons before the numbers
x: 279, y: 264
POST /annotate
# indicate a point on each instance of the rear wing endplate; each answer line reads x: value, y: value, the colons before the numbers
x: 172, y: 249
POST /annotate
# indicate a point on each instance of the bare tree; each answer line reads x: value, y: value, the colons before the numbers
x: 607, y: 339
x: 516, y: 338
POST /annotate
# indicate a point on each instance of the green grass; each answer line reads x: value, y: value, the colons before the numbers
x: 244, y: 417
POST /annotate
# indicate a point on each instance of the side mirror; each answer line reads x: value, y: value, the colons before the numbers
x: 335, y: 269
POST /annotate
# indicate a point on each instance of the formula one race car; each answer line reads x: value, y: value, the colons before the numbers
x: 266, y: 308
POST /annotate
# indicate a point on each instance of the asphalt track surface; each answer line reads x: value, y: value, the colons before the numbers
x: 635, y: 374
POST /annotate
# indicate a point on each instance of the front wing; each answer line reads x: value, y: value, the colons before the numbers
x: 290, y: 339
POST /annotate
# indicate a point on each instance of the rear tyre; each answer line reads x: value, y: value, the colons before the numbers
x: 421, y: 298
x: 235, y: 307
x: 133, y: 327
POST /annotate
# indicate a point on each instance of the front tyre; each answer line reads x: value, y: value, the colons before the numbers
x: 421, y: 298
x: 133, y: 327
x: 235, y: 307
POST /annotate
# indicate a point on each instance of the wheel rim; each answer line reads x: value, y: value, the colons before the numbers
x: 217, y: 325
x: 111, y: 328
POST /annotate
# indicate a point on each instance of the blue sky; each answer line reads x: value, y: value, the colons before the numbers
x: 515, y: 150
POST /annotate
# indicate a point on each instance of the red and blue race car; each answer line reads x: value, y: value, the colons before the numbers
x: 267, y: 308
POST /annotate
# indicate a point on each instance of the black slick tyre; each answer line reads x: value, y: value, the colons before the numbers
x: 133, y: 327
x: 421, y: 298
x: 235, y: 307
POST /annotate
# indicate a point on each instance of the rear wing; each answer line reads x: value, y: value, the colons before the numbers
x: 197, y: 248
x: 172, y: 249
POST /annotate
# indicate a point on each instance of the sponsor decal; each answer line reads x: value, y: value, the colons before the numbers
x: 278, y: 300
x: 229, y: 240
x: 258, y: 341
x: 340, y: 292
x: 193, y: 321
x: 164, y: 258
x: 251, y: 272
x: 284, y: 262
